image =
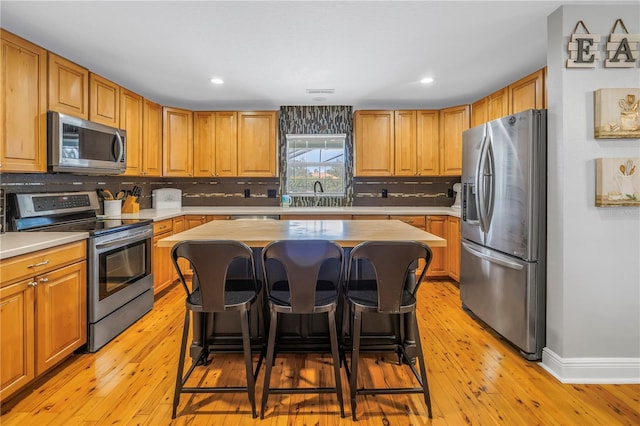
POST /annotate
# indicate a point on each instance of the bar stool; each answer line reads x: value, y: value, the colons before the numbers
x: 391, y: 291
x: 295, y: 285
x: 216, y: 292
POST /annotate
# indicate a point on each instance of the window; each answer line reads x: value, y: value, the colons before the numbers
x: 315, y: 158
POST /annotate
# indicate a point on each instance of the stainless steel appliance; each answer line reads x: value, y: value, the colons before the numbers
x: 502, y: 266
x: 81, y: 146
x: 119, y: 274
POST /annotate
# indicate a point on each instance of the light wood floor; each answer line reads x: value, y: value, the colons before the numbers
x: 475, y: 379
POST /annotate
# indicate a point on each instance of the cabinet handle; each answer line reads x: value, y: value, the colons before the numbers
x: 44, y: 280
x: 32, y: 284
x: 44, y: 262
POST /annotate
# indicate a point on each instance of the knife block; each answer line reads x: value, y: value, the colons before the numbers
x: 131, y: 205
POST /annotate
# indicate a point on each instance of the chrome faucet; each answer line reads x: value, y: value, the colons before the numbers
x: 315, y: 187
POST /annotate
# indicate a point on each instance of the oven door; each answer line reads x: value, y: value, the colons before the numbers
x: 119, y: 271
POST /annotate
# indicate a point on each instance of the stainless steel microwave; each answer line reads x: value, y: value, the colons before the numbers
x: 84, y: 147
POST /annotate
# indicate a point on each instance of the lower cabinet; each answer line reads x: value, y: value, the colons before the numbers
x: 43, y: 312
x: 163, y: 271
x: 437, y: 225
x: 453, y: 247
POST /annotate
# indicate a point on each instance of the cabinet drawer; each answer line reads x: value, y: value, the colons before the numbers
x: 162, y: 226
x: 417, y: 221
x: 41, y: 261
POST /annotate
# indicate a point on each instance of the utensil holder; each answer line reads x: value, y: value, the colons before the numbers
x: 131, y: 205
x: 112, y: 208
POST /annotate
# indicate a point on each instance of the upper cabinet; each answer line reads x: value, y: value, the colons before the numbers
x: 177, y: 142
x: 151, y: 139
x: 68, y: 87
x: 479, y: 112
x: 257, y: 137
x: 104, y: 101
x: 453, y: 121
x: 528, y: 92
x: 374, y: 148
x: 396, y: 143
x: 226, y: 147
x: 204, y: 128
x: 498, y: 103
x: 23, y: 105
x: 131, y: 113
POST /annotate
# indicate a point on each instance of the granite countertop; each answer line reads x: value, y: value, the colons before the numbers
x: 157, y: 215
x: 17, y: 243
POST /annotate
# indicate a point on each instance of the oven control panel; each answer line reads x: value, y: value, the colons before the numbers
x: 56, y: 202
x: 48, y: 204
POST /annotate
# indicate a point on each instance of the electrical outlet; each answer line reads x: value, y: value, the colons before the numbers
x: 271, y: 193
x: 385, y: 193
x: 247, y: 193
x: 450, y: 193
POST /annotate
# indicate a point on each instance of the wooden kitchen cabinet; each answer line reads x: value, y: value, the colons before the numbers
x: 104, y: 101
x: 23, y: 106
x: 193, y: 220
x: 226, y: 144
x: 527, y: 92
x: 453, y: 247
x: 257, y: 143
x: 163, y: 270
x: 68, y: 87
x: 151, y: 138
x: 428, y: 142
x: 177, y: 142
x: 498, y: 104
x: 204, y: 133
x: 131, y: 120
x: 374, y: 143
x: 437, y: 225
x: 479, y: 112
x: 43, y: 312
x: 453, y: 121
x: 404, y: 153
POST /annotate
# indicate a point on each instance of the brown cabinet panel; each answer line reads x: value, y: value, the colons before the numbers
x: 498, y: 104
x: 453, y: 247
x: 453, y: 121
x: 226, y: 145
x: 427, y: 143
x: 257, y: 137
x: 437, y: 225
x: 68, y: 87
x: 527, y: 92
x: 163, y: 269
x: 23, y: 105
x: 131, y: 119
x: 151, y: 139
x: 479, y: 112
x: 177, y: 142
x: 374, y: 147
x: 204, y: 125
x: 405, y: 155
x: 104, y: 101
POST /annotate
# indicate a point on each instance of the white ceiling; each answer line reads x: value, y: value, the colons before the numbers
x: 268, y: 53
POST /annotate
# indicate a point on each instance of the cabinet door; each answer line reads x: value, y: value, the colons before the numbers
x: 23, y: 105
x: 193, y: 220
x: 151, y: 139
x: 479, y: 112
x: 17, y: 333
x: 177, y: 142
x: 204, y: 127
x: 131, y: 112
x: 453, y: 121
x: 68, y: 87
x: 374, y: 135
x: 226, y: 149
x: 163, y: 269
x: 498, y: 104
x: 427, y: 143
x: 405, y: 154
x: 437, y: 225
x: 61, y: 314
x: 527, y: 92
x: 257, y: 144
x: 104, y: 101
x: 453, y: 247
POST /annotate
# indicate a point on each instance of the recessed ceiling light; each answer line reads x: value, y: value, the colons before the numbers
x: 216, y: 80
x: 427, y: 80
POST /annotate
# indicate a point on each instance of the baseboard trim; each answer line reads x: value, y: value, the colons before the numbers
x: 591, y: 370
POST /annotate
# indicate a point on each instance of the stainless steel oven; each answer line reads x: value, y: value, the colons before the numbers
x: 119, y: 277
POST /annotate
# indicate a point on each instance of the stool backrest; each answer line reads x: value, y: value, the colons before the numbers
x: 392, y: 262
x: 210, y: 261
x: 302, y: 262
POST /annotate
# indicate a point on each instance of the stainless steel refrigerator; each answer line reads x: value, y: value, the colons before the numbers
x: 502, y: 260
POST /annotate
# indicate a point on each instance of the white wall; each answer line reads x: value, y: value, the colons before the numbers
x: 593, y: 275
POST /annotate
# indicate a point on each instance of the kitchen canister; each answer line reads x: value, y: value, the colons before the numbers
x: 112, y: 208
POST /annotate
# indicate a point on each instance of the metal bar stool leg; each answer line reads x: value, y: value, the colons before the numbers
x: 183, y: 349
x: 423, y: 369
x: 270, y: 349
x: 333, y: 335
x: 246, y: 347
x: 355, y: 355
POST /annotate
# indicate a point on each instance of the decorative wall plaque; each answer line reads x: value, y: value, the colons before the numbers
x: 623, y: 49
x: 583, y: 48
x: 617, y: 182
x: 617, y: 113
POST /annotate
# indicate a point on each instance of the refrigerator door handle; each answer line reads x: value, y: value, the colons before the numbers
x: 494, y: 259
x: 481, y: 199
